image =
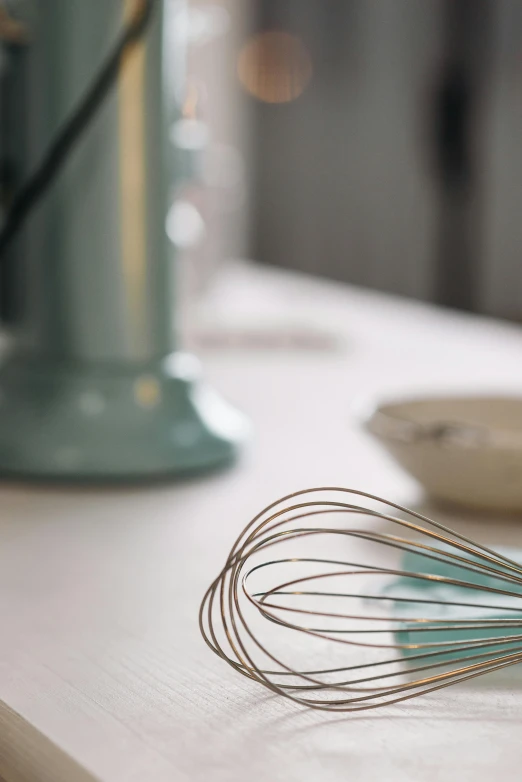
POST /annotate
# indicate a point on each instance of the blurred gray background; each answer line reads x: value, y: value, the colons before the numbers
x: 376, y: 142
x: 383, y: 144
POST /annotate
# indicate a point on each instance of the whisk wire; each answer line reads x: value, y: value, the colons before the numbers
x: 424, y: 613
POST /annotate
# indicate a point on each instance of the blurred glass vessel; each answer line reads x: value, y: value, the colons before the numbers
x: 93, y: 385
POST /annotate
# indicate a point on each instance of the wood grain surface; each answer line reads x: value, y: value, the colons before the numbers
x: 103, y: 674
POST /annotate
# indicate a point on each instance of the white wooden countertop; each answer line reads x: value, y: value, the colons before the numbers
x: 103, y: 674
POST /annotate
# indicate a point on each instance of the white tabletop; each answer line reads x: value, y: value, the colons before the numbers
x: 103, y: 673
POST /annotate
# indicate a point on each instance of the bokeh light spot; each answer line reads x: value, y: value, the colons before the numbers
x: 275, y: 66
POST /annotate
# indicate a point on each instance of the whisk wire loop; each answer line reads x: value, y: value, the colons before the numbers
x: 450, y: 610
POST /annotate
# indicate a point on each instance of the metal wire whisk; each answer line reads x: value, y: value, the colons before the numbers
x: 385, y: 617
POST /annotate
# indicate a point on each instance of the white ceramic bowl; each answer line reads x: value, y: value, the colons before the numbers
x: 465, y: 450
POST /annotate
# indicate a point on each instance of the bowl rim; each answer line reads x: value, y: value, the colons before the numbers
x: 382, y: 420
